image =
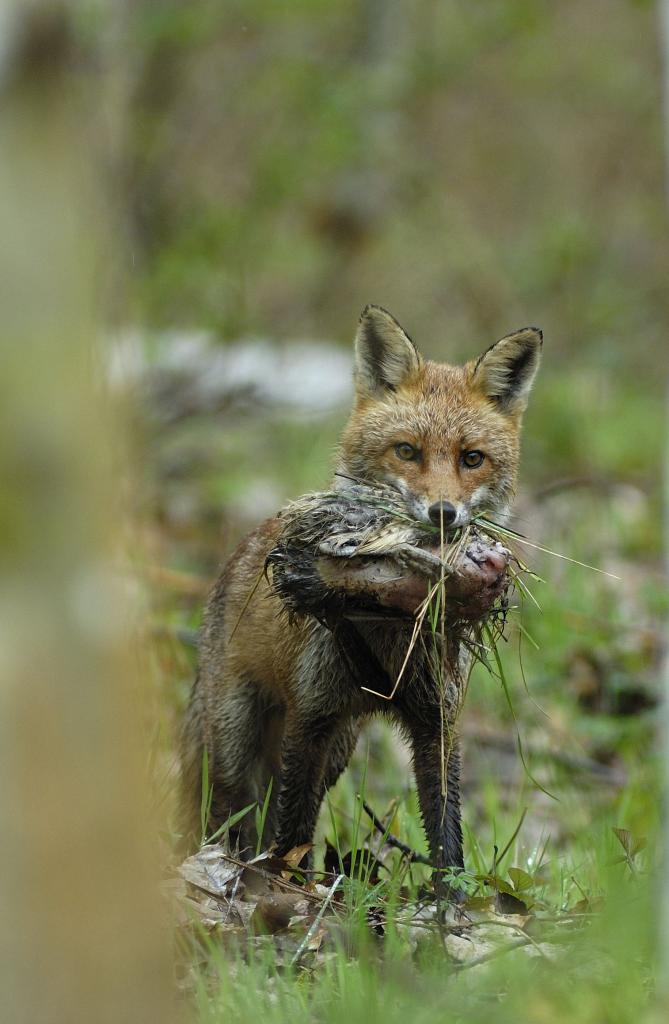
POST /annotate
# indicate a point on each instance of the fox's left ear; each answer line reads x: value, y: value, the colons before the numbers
x: 505, y: 373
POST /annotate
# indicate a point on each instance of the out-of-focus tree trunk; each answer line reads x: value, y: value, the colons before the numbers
x: 83, y: 935
x: 663, y: 973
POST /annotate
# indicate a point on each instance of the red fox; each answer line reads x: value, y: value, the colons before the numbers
x: 274, y: 699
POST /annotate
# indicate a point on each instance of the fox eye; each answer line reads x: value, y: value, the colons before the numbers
x: 473, y: 458
x: 406, y: 451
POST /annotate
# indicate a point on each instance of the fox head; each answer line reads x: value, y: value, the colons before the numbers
x: 448, y: 437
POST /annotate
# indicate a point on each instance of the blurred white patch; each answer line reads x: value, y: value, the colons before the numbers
x: 189, y: 370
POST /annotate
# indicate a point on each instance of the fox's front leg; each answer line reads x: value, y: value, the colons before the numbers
x: 304, y: 753
x: 437, y: 771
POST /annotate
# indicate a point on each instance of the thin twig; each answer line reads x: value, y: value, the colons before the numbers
x: 413, y: 855
x: 270, y: 876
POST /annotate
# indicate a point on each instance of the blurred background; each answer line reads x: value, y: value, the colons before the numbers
x: 246, y: 177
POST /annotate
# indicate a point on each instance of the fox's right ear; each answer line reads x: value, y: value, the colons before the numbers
x: 385, y: 355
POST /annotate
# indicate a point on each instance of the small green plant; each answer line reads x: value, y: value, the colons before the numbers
x: 205, y: 809
x: 261, y: 816
x: 206, y: 797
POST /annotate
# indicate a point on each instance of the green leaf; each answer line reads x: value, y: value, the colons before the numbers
x: 500, y: 885
x: 520, y: 879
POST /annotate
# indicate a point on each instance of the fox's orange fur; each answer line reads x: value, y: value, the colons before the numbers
x: 274, y: 699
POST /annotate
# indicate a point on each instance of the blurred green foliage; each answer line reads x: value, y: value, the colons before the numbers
x: 473, y: 166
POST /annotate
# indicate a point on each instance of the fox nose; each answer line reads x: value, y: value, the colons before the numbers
x: 442, y: 512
